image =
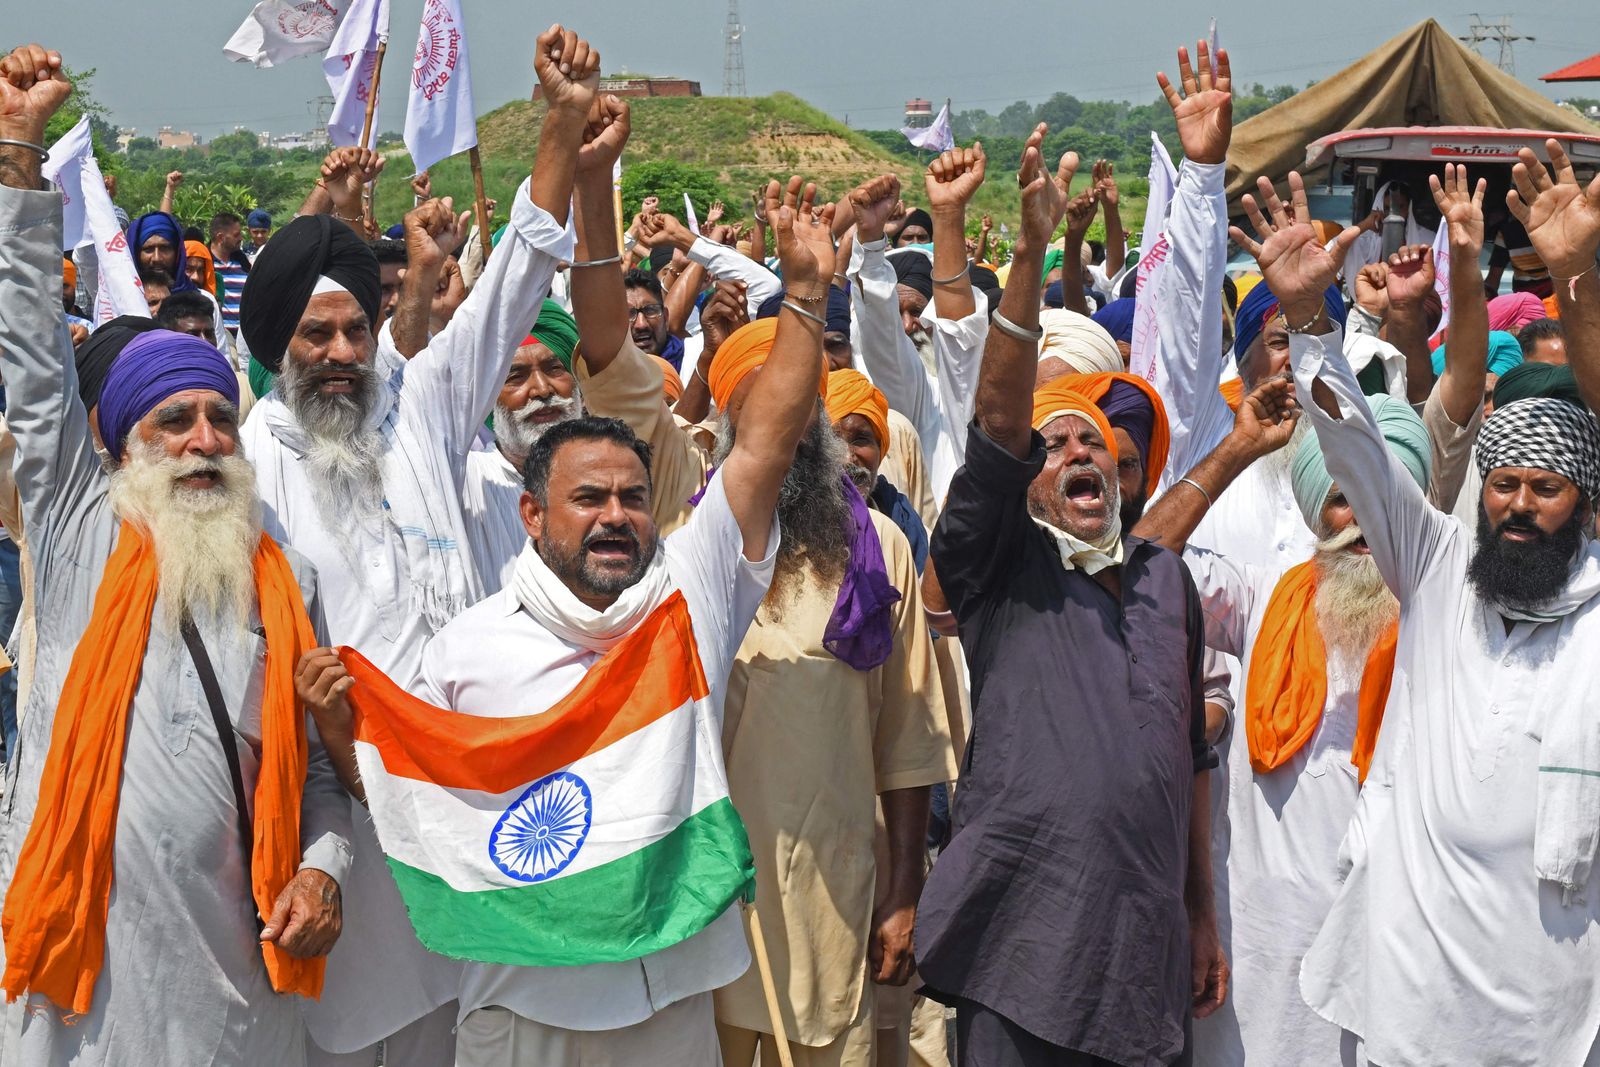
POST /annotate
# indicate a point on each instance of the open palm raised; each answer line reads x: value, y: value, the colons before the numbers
x: 1294, y: 264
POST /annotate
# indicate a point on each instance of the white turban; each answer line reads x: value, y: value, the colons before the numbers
x: 1079, y: 342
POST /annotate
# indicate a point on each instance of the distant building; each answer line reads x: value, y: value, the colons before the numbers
x: 171, y: 138
x: 288, y: 142
x: 125, y: 135
x: 624, y: 83
x: 919, y: 112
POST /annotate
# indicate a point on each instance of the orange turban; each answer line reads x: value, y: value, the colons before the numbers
x: 199, y: 250
x: 1096, y: 386
x: 742, y: 353
x: 671, y: 384
x: 1060, y: 397
x: 852, y: 393
x: 69, y: 272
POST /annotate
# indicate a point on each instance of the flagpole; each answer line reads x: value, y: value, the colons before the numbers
x: 482, y: 204
x: 370, y: 212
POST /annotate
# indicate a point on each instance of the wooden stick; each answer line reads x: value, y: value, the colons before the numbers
x: 482, y: 205
x: 764, y: 965
x: 369, y: 208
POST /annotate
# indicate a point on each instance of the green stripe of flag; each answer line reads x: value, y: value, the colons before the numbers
x: 640, y: 903
x: 1571, y: 770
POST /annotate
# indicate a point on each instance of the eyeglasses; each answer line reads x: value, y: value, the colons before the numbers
x: 651, y: 312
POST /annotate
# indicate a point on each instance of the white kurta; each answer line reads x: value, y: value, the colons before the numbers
x: 1278, y: 846
x: 380, y: 978
x: 939, y: 405
x: 183, y: 982
x: 491, y: 497
x: 497, y: 660
x: 1443, y: 946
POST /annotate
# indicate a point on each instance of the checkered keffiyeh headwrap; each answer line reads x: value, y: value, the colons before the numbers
x: 1546, y: 434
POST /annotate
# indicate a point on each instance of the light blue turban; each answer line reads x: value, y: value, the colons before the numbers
x: 1505, y: 352
x: 1402, y: 430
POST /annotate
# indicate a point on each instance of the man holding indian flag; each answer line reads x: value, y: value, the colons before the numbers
x: 553, y: 803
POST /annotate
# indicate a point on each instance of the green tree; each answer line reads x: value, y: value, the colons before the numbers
x: 670, y: 180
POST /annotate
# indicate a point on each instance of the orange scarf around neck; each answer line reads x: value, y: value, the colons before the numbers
x: 55, y: 910
x: 1288, y: 684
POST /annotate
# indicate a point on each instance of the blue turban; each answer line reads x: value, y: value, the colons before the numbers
x: 1505, y: 352
x: 1054, y: 295
x: 1117, y: 318
x: 152, y: 367
x: 770, y: 307
x: 1402, y: 431
x: 397, y: 232
x: 258, y: 220
x: 1260, y: 307
x: 161, y: 224
x: 838, y: 315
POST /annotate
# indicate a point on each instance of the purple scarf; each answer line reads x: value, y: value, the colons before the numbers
x: 861, y: 632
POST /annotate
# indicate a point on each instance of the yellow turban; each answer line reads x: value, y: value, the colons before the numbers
x: 1063, y: 397
x: 851, y: 393
x: 742, y: 353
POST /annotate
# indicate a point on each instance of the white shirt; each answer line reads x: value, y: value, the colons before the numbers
x: 1278, y: 845
x: 729, y: 264
x: 940, y: 404
x: 1443, y: 946
x: 379, y: 977
x: 496, y: 660
x: 491, y: 498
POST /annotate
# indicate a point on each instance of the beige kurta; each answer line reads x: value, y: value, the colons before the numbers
x: 630, y: 389
x: 906, y: 470
x: 810, y: 743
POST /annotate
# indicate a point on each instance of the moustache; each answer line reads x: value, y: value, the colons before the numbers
x: 613, y: 533
x: 1342, y: 540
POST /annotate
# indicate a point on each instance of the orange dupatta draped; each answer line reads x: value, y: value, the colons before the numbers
x: 1288, y: 684
x: 55, y: 911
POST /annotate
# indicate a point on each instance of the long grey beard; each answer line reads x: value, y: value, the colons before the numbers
x: 516, y: 435
x: 1276, y: 465
x: 205, y: 539
x: 344, y: 462
x: 813, y: 514
x: 1353, y: 604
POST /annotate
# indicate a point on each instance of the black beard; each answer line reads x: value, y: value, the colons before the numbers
x: 577, y: 573
x: 1133, y: 510
x: 1522, y: 575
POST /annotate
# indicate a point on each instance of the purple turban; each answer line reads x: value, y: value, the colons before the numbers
x: 1126, y: 407
x: 152, y: 367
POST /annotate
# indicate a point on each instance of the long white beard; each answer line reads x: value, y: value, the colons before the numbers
x: 1353, y: 605
x: 1277, y: 464
x: 516, y: 433
x: 205, y: 539
x: 345, y: 458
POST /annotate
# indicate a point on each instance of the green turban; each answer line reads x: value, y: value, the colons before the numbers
x: 261, y: 378
x: 1528, y: 380
x: 557, y: 331
x: 1402, y: 430
x: 1052, y: 259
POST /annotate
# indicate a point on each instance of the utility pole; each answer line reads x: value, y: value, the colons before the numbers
x: 1483, y: 32
x: 733, y: 53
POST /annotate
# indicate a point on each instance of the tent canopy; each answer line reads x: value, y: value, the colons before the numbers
x: 1423, y: 77
x: 1585, y: 70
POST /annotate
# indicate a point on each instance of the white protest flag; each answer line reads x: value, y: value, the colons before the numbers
x: 694, y: 220
x: 351, y: 63
x: 276, y: 30
x: 1441, y: 268
x: 1153, y: 252
x: 935, y: 138
x: 88, y: 218
x: 440, y: 120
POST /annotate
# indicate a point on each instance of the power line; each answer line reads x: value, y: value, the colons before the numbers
x: 1482, y: 32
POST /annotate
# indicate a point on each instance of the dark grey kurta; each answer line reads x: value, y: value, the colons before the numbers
x: 1059, y: 902
x: 183, y: 983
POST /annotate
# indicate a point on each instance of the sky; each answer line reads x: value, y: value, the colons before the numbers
x: 161, y: 64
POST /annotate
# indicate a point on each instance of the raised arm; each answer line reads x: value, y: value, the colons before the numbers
x: 337, y: 192
x: 725, y: 311
x: 1563, y: 223
x: 599, y: 301
x: 1264, y: 424
x: 1189, y: 357
x: 1080, y: 216
x: 783, y: 397
x: 1011, y: 355
x: 1408, y: 279
x: 721, y: 262
x: 55, y: 462
x: 1461, y: 386
x: 431, y: 228
x: 1400, y: 526
x: 950, y: 182
x: 174, y: 179
x: 1116, y: 235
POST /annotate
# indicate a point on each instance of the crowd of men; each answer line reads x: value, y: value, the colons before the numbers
x: 1230, y: 713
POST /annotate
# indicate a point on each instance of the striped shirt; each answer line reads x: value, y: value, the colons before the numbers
x: 230, y: 284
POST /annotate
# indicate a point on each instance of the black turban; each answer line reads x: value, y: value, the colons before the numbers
x: 914, y: 270
x: 95, y: 356
x: 918, y: 217
x: 279, y: 285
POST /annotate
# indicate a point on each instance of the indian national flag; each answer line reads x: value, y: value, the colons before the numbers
x: 599, y: 830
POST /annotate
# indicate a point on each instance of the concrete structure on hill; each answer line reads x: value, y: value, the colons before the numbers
x: 624, y: 83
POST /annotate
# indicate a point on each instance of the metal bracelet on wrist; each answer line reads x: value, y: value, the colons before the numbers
x: 806, y: 299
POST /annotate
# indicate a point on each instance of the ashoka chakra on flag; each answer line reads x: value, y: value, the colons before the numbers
x: 597, y: 831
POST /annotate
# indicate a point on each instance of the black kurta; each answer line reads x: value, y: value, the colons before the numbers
x: 1059, y: 902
